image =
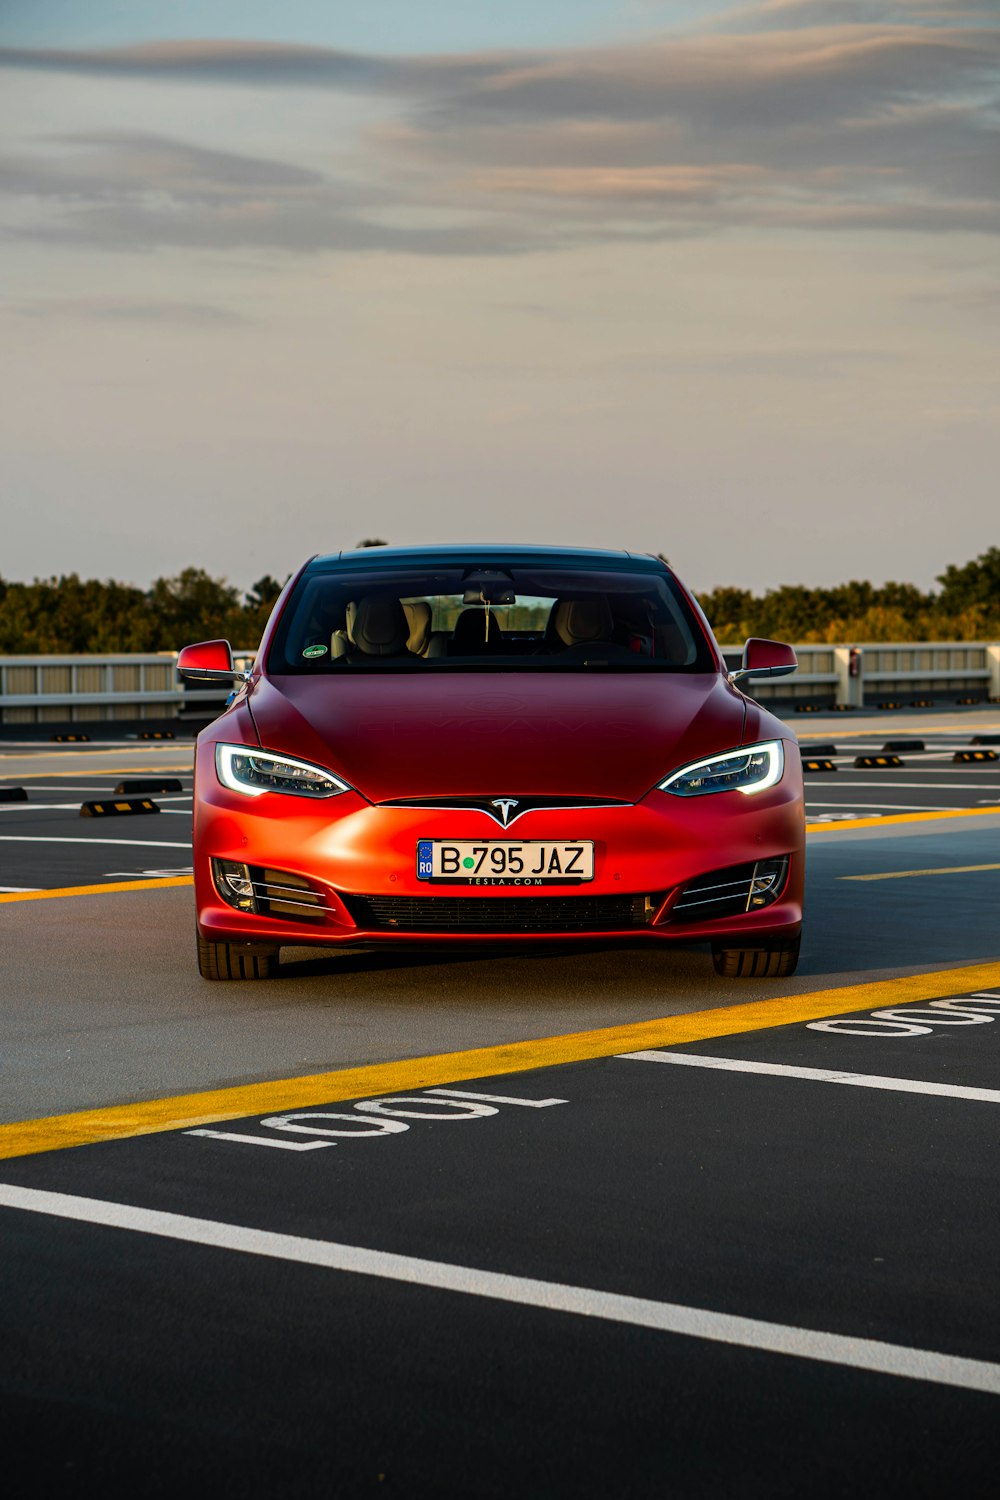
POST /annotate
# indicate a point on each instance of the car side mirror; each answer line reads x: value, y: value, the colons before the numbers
x: 209, y: 661
x: 765, y: 659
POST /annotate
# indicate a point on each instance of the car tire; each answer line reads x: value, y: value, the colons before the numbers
x: 236, y: 960
x: 778, y: 960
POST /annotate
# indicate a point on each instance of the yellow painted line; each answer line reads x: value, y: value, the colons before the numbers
x: 903, y: 727
x: 915, y: 817
x: 98, y: 890
x: 906, y: 874
x: 184, y: 769
x: 185, y: 1111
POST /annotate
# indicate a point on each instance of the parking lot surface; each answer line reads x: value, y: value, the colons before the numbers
x: 572, y: 1223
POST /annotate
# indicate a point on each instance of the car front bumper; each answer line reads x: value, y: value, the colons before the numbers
x: 359, y: 862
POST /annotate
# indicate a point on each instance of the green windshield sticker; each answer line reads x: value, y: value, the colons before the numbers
x: 311, y: 651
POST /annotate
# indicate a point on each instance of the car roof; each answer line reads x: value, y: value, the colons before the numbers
x: 473, y: 553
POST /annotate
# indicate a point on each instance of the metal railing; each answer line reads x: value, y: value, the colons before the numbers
x: 56, y: 689
x: 853, y: 675
x: 49, y: 689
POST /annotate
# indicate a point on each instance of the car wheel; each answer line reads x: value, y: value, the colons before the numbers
x: 236, y: 960
x: 777, y: 961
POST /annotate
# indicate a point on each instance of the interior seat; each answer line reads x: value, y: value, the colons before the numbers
x: 476, y: 634
x: 580, y: 622
x: 377, y: 626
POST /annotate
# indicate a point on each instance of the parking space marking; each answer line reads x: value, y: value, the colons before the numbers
x: 812, y: 803
x: 392, y: 1118
x: 926, y: 728
x: 499, y: 1098
x: 183, y: 769
x: 100, y: 890
x: 915, y: 1020
x: 911, y: 817
x: 846, y: 779
x: 548, y: 1296
x: 38, y: 787
x: 28, y: 838
x: 909, y: 874
x: 818, y: 1075
x: 187, y: 1111
x: 28, y: 807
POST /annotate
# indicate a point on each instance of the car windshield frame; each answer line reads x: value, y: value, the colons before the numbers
x: 652, y: 626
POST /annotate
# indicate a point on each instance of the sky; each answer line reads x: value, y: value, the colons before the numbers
x: 718, y: 281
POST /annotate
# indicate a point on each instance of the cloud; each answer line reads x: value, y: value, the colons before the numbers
x: 824, y: 115
x: 787, y: 15
x: 137, y: 191
x: 783, y: 363
x: 240, y: 62
x: 132, y: 310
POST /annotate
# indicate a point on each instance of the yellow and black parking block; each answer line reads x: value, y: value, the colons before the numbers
x: 157, y: 734
x: 842, y: 708
x: 118, y: 807
x: 877, y: 762
x: 889, y: 703
x: 921, y: 702
x: 70, y: 739
x: 147, y: 786
x: 969, y: 701
x: 973, y: 757
x: 13, y: 794
x: 808, y: 708
x: 818, y: 765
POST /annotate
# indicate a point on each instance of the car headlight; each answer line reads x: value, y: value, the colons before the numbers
x: 752, y: 769
x: 254, y: 772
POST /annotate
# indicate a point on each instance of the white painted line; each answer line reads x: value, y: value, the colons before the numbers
x: 75, y: 806
x: 548, y: 1296
x: 10, y: 890
x: 30, y: 807
x: 877, y: 806
x: 35, y: 787
x: 17, y: 838
x: 497, y: 1098
x: 818, y: 1075
x: 262, y: 1140
x: 921, y: 786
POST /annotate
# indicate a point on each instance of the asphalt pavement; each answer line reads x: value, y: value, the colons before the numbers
x: 685, y: 1237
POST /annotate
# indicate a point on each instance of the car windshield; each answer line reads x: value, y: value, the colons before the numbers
x: 348, y: 619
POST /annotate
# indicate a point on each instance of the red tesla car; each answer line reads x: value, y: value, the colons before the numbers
x: 494, y: 744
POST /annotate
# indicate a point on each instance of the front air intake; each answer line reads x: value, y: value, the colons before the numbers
x: 267, y: 892
x: 730, y: 892
x: 501, y: 914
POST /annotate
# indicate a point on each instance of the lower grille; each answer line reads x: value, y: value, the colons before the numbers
x: 727, y: 893
x: 501, y: 913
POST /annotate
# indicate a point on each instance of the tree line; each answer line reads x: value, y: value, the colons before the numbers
x: 80, y: 615
x: 966, y: 607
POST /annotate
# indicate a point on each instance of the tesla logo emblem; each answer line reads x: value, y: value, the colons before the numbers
x: 505, y: 804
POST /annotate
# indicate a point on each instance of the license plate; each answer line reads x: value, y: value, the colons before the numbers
x: 465, y: 862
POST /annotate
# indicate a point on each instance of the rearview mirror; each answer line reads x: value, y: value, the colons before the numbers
x: 209, y: 661
x: 765, y: 659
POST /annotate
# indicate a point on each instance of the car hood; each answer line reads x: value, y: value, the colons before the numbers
x: 453, y: 734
